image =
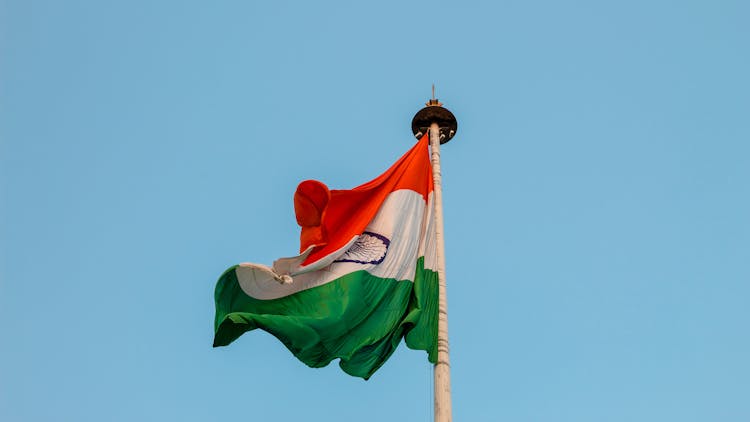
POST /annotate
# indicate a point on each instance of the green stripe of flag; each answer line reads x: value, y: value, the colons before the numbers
x: 359, y: 318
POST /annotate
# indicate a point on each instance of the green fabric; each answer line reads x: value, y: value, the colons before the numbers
x: 358, y: 318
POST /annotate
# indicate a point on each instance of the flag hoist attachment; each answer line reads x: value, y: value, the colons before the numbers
x: 442, y: 126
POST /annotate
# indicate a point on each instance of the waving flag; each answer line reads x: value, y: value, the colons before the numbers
x: 364, y: 280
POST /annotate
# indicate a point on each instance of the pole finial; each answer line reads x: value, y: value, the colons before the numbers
x: 434, y: 101
x: 434, y: 113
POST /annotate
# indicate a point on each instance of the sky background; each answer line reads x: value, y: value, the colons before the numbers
x: 597, y: 202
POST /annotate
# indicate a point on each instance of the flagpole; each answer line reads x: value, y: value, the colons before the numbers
x: 442, y: 125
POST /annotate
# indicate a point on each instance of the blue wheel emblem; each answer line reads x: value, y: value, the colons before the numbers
x: 369, y: 248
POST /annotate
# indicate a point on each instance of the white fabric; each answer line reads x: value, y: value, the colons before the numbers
x: 404, y: 219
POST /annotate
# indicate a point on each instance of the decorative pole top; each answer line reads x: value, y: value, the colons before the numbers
x: 434, y: 101
x: 434, y: 113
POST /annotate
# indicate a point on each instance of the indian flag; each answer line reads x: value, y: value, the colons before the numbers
x: 365, y: 277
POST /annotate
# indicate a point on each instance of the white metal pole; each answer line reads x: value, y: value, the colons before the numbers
x: 442, y: 374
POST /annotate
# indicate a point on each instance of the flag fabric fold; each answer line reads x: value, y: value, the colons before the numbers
x: 364, y: 280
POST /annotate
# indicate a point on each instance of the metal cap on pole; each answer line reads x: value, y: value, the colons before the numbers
x: 442, y: 126
x: 434, y: 113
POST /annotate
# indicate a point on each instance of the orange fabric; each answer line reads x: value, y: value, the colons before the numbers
x: 310, y: 202
x: 330, y: 219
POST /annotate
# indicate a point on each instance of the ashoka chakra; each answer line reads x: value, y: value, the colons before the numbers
x: 369, y: 248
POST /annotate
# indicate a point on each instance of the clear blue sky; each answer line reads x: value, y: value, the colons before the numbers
x: 597, y: 202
